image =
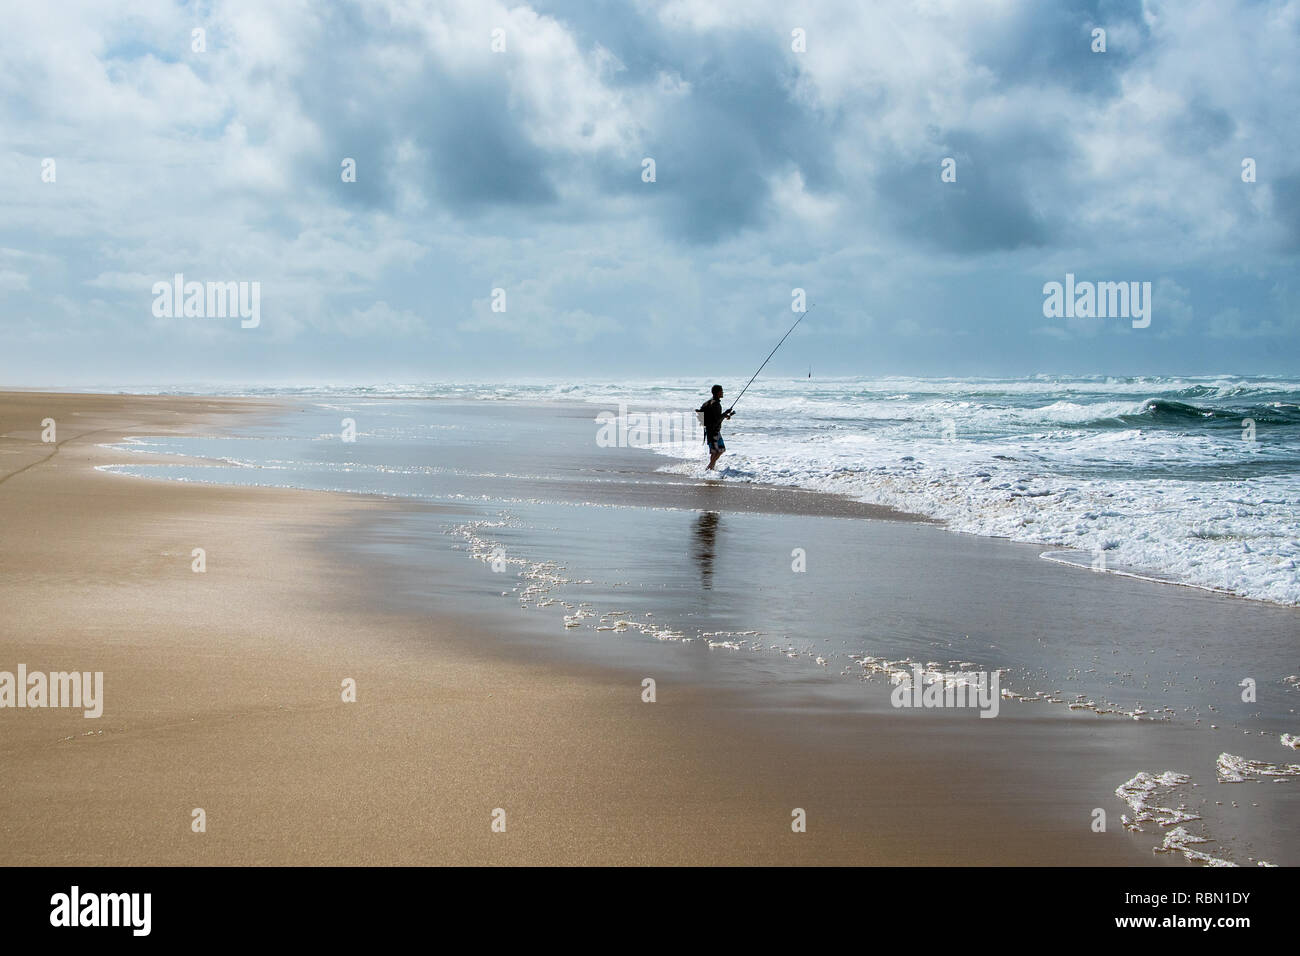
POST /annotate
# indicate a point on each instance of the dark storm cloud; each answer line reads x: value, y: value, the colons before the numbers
x: 477, y: 153
x: 739, y: 126
x: 1051, y: 43
x: 351, y: 106
x: 1286, y: 210
x: 715, y: 146
x: 988, y: 208
x: 1201, y: 127
x: 640, y: 42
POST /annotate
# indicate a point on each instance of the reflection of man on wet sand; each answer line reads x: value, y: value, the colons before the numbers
x: 706, y: 531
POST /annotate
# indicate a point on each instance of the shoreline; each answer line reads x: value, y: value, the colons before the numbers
x: 243, y: 713
x: 767, y: 497
x: 773, y: 496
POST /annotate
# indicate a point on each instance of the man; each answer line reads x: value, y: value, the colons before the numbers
x: 712, y: 415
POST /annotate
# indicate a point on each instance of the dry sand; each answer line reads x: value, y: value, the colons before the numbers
x: 222, y: 692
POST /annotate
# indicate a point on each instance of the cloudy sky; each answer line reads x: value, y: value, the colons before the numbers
x: 522, y: 169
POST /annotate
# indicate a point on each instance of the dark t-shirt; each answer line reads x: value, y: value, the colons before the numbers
x: 712, y: 410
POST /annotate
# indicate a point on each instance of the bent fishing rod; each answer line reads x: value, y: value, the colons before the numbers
x: 769, y: 356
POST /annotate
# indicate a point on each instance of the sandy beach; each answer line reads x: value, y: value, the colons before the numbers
x: 222, y: 692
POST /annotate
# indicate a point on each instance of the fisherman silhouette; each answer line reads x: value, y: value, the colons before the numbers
x: 712, y: 415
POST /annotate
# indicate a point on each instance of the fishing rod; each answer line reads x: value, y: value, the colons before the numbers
x: 769, y: 356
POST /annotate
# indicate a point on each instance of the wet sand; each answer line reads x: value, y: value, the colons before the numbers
x: 222, y: 692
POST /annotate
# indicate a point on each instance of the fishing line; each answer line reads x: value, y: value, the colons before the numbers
x: 771, y: 353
